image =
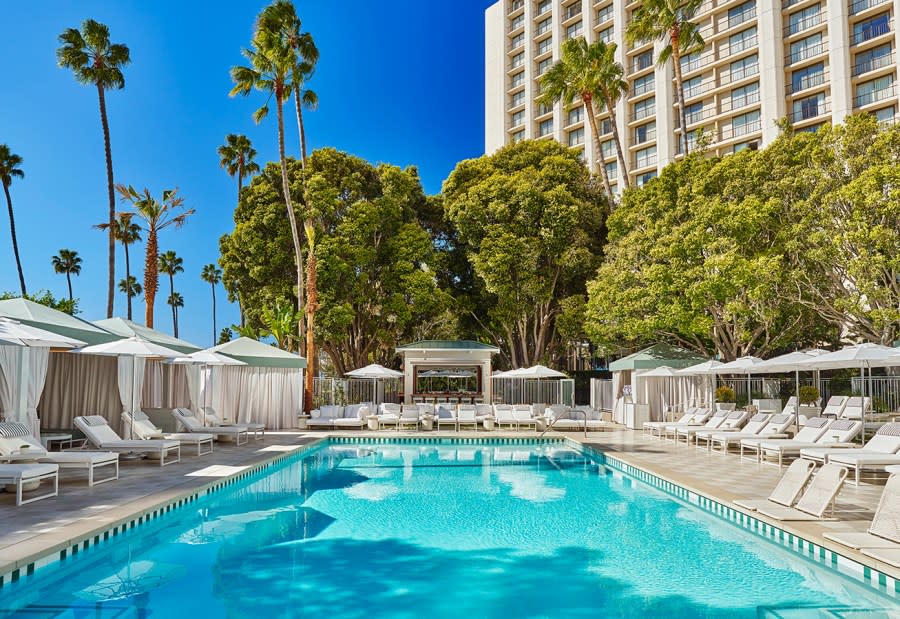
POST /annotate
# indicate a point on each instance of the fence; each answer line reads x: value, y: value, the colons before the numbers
x: 884, y: 391
x: 354, y: 390
x: 531, y: 391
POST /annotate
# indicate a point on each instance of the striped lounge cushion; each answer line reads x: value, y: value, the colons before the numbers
x: 735, y: 415
x: 95, y: 420
x: 889, y: 429
x: 759, y: 417
x: 140, y: 416
x: 841, y: 425
x: 12, y: 429
x: 780, y: 419
x: 817, y: 422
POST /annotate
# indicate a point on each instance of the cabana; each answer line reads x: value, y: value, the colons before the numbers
x: 456, y: 355
x: 268, y: 389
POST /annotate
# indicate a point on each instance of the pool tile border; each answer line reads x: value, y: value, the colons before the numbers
x: 827, y: 558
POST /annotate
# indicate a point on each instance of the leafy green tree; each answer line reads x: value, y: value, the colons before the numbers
x: 67, y: 262
x: 45, y: 297
x: 585, y: 72
x: 176, y: 301
x: 212, y: 275
x: 130, y: 287
x: 530, y: 222
x: 9, y: 169
x: 127, y: 233
x: 171, y: 264
x: 280, y: 323
x: 669, y: 21
x: 236, y: 156
x: 94, y: 60
x: 157, y: 215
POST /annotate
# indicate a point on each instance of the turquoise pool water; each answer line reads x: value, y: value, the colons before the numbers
x: 413, y: 530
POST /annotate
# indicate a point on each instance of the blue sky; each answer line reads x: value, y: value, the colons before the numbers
x: 399, y: 81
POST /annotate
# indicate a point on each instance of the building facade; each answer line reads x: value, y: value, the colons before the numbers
x: 811, y: 61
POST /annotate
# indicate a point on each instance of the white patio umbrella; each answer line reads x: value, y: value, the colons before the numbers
x: 706, y: 368
x: 790, y: 362
x: 741, y: 365
x: 862, y: 356
x: 205, y: 359
x: 376, y: 372
x: 133, y: 347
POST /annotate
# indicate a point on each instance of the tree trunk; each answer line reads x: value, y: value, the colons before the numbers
x: 128, y: 289
x: 589, y: 111
x: 111, y: 280
x: 285, y: 186
x: 240, y: 179
x: 15, y: 242
x: 312, y: 304
x: 172, y: 299
x: 679, y: 88
x: 300, y: 127
x: 618, y: 142
x: 69, y: 282
x: 151, y: 275
x: 215, y: 331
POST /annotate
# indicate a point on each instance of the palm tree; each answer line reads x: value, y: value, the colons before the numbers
x: 613, y: 87
x: 280, y: 18
x: 157, y: 216
x: 67, y: 261
x: 236, y: 156
x: 577, y: 75
x: 131, y: 287
x: 669, y: 20
x: 9, y: 169
x: 175, y: 300
x: 94, y: 60
x: 171, y: 265
x: 127, y: 233
x: 212, y: 275
x: 271, y: 63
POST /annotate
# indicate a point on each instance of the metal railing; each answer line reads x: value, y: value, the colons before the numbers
x: 874, y: 96
x: 807, y: 52
x: 810, y: 111
x: 643, y: 113
x: 343, y: 391
x: 742, y: 73
x: 804, y: 24
x: 872, y: 32
x: 861, y: 5
x: 884, y: 391
x: 736, y: 103
x: 533, y: 391
x: 740, y: 18
x: 873, y: 63
x: 810, y: 80
x: 643, y: 88
x: 735, y: 131
x: 741, y: 46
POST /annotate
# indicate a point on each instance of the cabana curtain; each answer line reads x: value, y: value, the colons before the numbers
x: 7, y: 380
x: 260, y: 394
x: 10, y: 398
x: 80, y: 385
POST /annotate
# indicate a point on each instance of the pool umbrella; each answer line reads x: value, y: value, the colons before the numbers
x: 135, y: 578
x: 205, y: 358
x: 790, y: 362
x: 741, y: 365
x: 133, y: 347
x: 376, y: 372
x: 860, y: 356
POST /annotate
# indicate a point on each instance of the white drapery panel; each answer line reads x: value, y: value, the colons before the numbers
x: 165, y: 385
x: 192, y: 375
x: 262, y: 395
x: 7, y: 381
x: 620, y: 379
x: 131, y: 381
x: 80, y: 385
x: 663, y: 393
x: 38, y: 359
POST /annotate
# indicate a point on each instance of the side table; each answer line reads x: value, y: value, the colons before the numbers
x: 372, y: 422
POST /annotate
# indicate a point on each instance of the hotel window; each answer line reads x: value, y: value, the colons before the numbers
x: 693, y: 113
x: 518, y: 60
x: 608, y: 149
x: 742, y: 40
x: 745, y: 67
x: 605, y: 126
x: 546, y: 127
x: 872, y: 59
x: 605, y: 14
x: 645, y: 178
x: 518, y: 136
x: 693, y: 86
x: 642, y: 85
x: 871, y: 28
x: 645, y: 108
x: 545, y: 46
x: 745, y: 123
x: 574, y: 31
x: 543, y: 108
x: 743, y: 146
x: 741, y: 13
x: 885, y: 115
x: 543, y: 65
x: 645, y: 157
x: 690, y: 62
x: 644, y: 60
x: 745, y: 95
x: 612, y: 171
x: 517, y: 41
x: 518, y: 79
x: 518, y: 119
x: 874, y: 90
x: 809, y: 107
x: 576, y: 136
x: 545, y: 26
x: 645, y: 133
x: 517, y: 22
x: 807, y: 18
x: 606, y: 35
x: 807, y: 48
x: 572, y: 10
x: 544, y: 6
x: 576, y: 115
x: 807, y: 77
x: 517, y: 99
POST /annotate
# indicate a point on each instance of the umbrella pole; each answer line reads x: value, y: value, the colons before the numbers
x: 797, y: 392
x: 862, y: 391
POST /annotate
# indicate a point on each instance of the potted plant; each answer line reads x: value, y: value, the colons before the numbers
x: 725, y: 394
x: 809, y: 395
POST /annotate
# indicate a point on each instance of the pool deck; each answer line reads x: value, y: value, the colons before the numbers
x: 38, y: 529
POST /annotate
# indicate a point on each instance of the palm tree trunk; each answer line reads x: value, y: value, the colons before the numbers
x: 312, y: 303
x: 69, y: 282
x: 679, y: 88
x: 616, y: 140
x: 300, y: 127
x: 285, y: 186
x: 151, y: 275
x: 127, y: 280
x: 15, y: 242
x: 111, y: 283
x: 589, y: 112
x: 215, y: 331
x: 172, y: 298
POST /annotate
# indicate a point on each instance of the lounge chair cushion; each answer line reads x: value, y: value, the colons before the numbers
x: 18, y: 472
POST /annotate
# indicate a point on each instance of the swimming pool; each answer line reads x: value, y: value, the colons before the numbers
x: 407, y: 529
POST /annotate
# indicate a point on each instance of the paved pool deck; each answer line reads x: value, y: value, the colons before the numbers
x: 46, y: 527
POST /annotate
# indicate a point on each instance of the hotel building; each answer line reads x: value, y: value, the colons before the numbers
x: 811, y: 61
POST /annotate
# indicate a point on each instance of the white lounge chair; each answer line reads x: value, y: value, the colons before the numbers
x: 808, y: 434
x: 21, y: 475
x: 483, y: 411
x: 98, y: 433
x: 409, y: 416
x: 816, y: 499
x: 698, y: 421
x: 884, y: 532
x: 523, y: 416
x: 323, y: 418
x: 885, y: 442
x: 389, y: 415
x: 873, y: 456
x: 689, y: 431
x: 187, y: 420
x: 445, y: 416
x: 839, y: 432
x: 856, y: 407
x: 14, y: 436
x: 465, y: 417
x: 835, y: 406
x: 775, y: 427
x: 503, y: 416
x: 565, y: 419
x: 788, y: 488
x: 733, y: 421
x: 144, y: 429
x: 655, y: 428
x: 211, y: 417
